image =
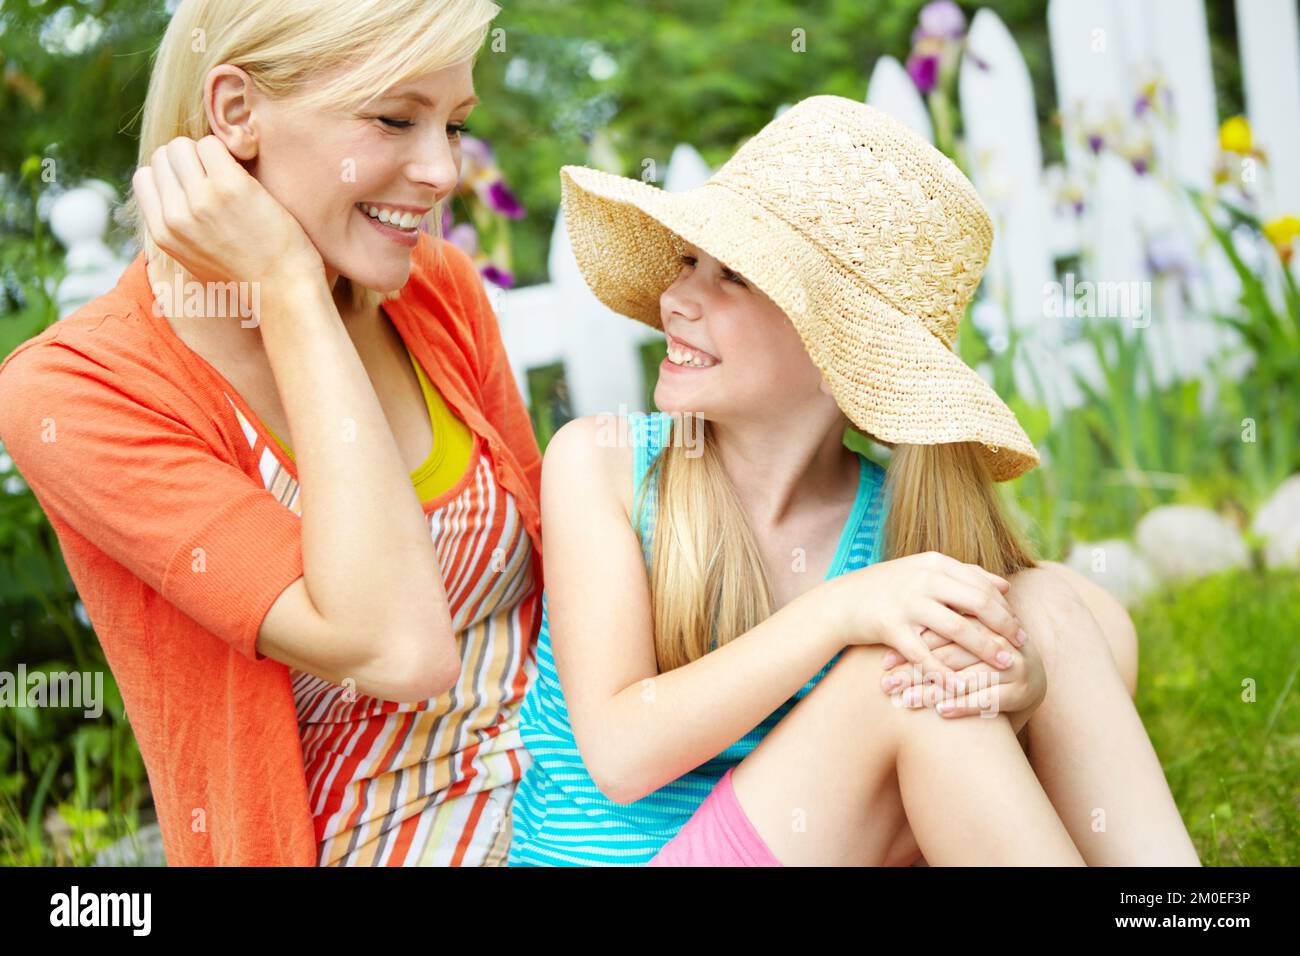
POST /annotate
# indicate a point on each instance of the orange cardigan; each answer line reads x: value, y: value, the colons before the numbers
x: 124, y: 436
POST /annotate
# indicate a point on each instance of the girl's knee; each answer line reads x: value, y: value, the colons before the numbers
x: 1113, y: 619
x: 1070, y: 615
x: 1052, y: 614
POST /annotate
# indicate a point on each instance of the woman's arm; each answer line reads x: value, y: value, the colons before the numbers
x: 370, y: 605
x: 638, y: 729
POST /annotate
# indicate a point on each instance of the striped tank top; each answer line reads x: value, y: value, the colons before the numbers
x: 561, y: 818
x: 429, y: 783
x: 452, y: 441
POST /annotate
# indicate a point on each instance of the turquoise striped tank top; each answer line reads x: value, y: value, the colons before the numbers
x: 559, y: 816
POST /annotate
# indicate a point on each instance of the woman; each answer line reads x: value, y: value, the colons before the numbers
x: 713, y: 628
x: 322, y: 649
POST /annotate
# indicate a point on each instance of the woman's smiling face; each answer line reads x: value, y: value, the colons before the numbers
x: 341, y: 171
x: 732, y: 352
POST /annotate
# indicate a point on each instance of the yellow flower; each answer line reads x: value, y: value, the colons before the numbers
x: 1283, y: 229
x: 1282, y: 232
x: 1234, y: 136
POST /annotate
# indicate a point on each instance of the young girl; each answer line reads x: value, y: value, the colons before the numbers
x: 322, y: 649
x: 721, y: 602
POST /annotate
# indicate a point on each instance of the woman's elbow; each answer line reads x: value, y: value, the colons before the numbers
x: 415, y: 670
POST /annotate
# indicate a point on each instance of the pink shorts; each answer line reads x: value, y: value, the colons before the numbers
x: 718, y: 834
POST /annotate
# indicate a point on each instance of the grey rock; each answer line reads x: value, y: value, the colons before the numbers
x: 142, y: 848
x: 1116, y: 566
x: 1278, y: 523
x: 1186, y: 542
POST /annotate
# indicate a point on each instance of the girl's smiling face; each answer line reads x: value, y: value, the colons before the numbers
x: 341, y: 171
x: 732, y: 353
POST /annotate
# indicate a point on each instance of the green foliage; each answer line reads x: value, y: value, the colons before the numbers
x: 1133, y: 445
x: 707, y: 74
x: 1270, y: 329
x: 75, y: 107
x: 68, y: 785
x: 548, y: 401
x: 31, y: 263
x: 1231, y: 758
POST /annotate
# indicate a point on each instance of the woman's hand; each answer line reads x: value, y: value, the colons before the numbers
x: 894, y: 602
x: 208, y: 213
x: 1016, y: 691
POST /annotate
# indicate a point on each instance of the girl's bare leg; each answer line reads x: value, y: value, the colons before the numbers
x: 1122, y: 643
x: 841, y: 777
x: 1110, y: 616
x: 1086, y: 742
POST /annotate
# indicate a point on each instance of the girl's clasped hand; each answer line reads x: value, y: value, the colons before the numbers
x: 955, y: 643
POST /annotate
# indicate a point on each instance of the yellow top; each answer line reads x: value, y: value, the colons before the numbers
x: 452, y: 443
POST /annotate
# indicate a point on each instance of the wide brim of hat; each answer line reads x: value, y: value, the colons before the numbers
x: 890, y: 376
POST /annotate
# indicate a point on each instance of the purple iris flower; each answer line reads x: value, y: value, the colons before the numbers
x: 942, y: 18
x: 923, y: 68
x: 500, y: 199
x: 498, y: 276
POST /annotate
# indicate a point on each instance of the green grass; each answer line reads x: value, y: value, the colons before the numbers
x: 1232, y: 763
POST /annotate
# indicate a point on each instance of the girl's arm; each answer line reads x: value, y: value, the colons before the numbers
x: 370, y: 605
x: 638, y: 729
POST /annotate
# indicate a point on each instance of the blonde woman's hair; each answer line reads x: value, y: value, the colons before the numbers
x: 286, y: 46
x: 708, y: 584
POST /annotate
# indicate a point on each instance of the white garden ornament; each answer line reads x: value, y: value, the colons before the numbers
x: 79, y: 220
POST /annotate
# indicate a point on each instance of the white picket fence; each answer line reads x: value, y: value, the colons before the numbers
x: 1101, y: 51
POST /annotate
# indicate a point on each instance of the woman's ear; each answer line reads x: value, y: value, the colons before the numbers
x: 228, y: 96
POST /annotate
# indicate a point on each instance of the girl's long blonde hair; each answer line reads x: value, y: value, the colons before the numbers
x: 708, y: 584
x: 287, y: 47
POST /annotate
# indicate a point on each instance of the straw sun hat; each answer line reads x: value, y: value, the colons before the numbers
x: 864, y: 234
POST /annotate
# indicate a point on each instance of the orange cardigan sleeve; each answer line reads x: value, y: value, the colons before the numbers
x: 107, y: 459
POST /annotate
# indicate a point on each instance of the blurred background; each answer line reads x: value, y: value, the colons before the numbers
x: 1141, y: 314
